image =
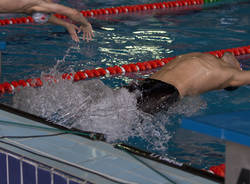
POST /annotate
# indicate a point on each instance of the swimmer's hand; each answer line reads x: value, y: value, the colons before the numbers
x: 73, y: 30
x: 87, y: 30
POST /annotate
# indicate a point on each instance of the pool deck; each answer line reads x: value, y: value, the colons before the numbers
x: 74, y: 159
x: 233, y: 127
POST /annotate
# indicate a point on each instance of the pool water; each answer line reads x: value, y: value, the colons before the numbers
x: 90, y: 105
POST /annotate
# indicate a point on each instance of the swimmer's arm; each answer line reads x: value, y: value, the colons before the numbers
x: 71, y: 13
x: 240, y: 78
x: 71, y: 28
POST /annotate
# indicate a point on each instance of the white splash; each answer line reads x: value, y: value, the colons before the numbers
x: 91, y: 105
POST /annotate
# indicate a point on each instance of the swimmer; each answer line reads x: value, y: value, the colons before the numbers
x: 189, y: 75
x: 42, y: 11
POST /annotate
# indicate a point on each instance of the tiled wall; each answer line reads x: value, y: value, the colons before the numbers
x: 16, y: 170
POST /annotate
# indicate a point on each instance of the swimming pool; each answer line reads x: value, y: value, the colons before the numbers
x: 32, y: 50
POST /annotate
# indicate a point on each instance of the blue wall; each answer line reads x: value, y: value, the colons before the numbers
x: 14, y: 168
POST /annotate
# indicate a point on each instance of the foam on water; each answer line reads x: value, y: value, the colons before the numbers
x: 88, y: 105
x: 91, y: 105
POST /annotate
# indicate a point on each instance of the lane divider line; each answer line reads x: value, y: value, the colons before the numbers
x: 119, y: 10
x: 10, y: 87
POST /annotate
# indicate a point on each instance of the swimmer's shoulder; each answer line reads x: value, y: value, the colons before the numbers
x: 188, y: 55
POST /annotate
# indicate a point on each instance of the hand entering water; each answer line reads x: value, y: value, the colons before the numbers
x: 73, y: 30
x: 87, y: 32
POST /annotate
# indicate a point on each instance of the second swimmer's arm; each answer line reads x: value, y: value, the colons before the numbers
x: 71, y: 28
x: 71, y: 13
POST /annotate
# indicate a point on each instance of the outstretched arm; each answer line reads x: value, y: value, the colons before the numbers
x: 49, y: 7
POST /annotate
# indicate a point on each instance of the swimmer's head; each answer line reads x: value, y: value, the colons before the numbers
x: 40, y: 18
x: 231, y: 59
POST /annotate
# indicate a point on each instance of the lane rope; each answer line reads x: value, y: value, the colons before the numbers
x: 218, y: 170
x: 10, y: 87
x: 118, y: 10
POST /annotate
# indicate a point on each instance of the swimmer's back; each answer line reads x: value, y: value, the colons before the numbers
x: 194, y: 73
x: 191, y: 59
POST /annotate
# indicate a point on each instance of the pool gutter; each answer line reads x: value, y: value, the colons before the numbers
x: 71, y: 157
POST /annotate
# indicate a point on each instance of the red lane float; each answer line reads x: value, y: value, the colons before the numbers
x: 9, y: 87
x: 141, y: 7
x: 218, y: 170
x: 115, y: 10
